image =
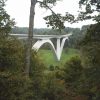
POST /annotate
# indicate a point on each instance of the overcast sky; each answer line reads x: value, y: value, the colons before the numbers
x: 19, y: 9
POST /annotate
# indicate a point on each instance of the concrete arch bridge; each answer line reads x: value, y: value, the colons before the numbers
x: 42, y: 39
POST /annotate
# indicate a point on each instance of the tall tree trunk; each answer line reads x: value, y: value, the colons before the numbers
x: 30, y: 37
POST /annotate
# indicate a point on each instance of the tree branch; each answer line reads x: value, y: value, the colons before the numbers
x: 48, y: 8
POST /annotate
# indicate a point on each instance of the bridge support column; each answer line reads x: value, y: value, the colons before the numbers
x: 58, y: 49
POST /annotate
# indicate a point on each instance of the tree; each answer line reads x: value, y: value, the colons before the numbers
x: 15, y: 87
x: 45, y: 4
x: 5, y: 22
x: 54, y: 88
x: 89, y: 83
x: 30, y: 36
x: 72, y: 70
x: 90, y: 47
x: 91, y: 6
x: 11, y: 55
x: 72, y: 73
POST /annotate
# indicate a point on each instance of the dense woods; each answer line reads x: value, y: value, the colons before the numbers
x: 77, y: 79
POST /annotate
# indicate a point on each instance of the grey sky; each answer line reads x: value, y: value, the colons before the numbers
x: 19, y: 9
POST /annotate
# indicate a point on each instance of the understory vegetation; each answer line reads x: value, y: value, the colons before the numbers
x: 76, y: 79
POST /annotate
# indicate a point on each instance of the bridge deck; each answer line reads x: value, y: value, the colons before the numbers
x: 40, y: 36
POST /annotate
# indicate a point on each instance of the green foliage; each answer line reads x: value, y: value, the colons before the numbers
x: 56, y: 21
x: 90, y: 54
x: 5, y: 22
x: 14, y: 83
x: 90, y: 47
x: 48, y: 3
x: 92, y: 35
x: 37, y: 76
x: 51, y: 68
x: 72, y: 70
x: 43, y: 31
x: 89, y: 83
x: 76, y: 37
x: 54, y: 88
x: 11, y: 54
x: 14, y: 87
x: 91, y: 6
x: 82, y: 81
x: 72, y: 74
x: 36, y: 64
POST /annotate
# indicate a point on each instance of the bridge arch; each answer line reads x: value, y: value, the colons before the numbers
x: 40, y: 43
x: 63, y: 43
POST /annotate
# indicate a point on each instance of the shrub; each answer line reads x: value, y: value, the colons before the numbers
x: 11, y: 54
x: 14, y: 87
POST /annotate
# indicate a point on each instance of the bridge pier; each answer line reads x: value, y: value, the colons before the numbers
x: 58, y: 50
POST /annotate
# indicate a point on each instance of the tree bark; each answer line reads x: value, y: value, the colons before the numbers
x: 30, y: 37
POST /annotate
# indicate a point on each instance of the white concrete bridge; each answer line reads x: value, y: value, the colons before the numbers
x: 42, y: 39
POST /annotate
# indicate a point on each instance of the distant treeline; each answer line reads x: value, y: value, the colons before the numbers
x: 24, y: 30
x: 77, y: 33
